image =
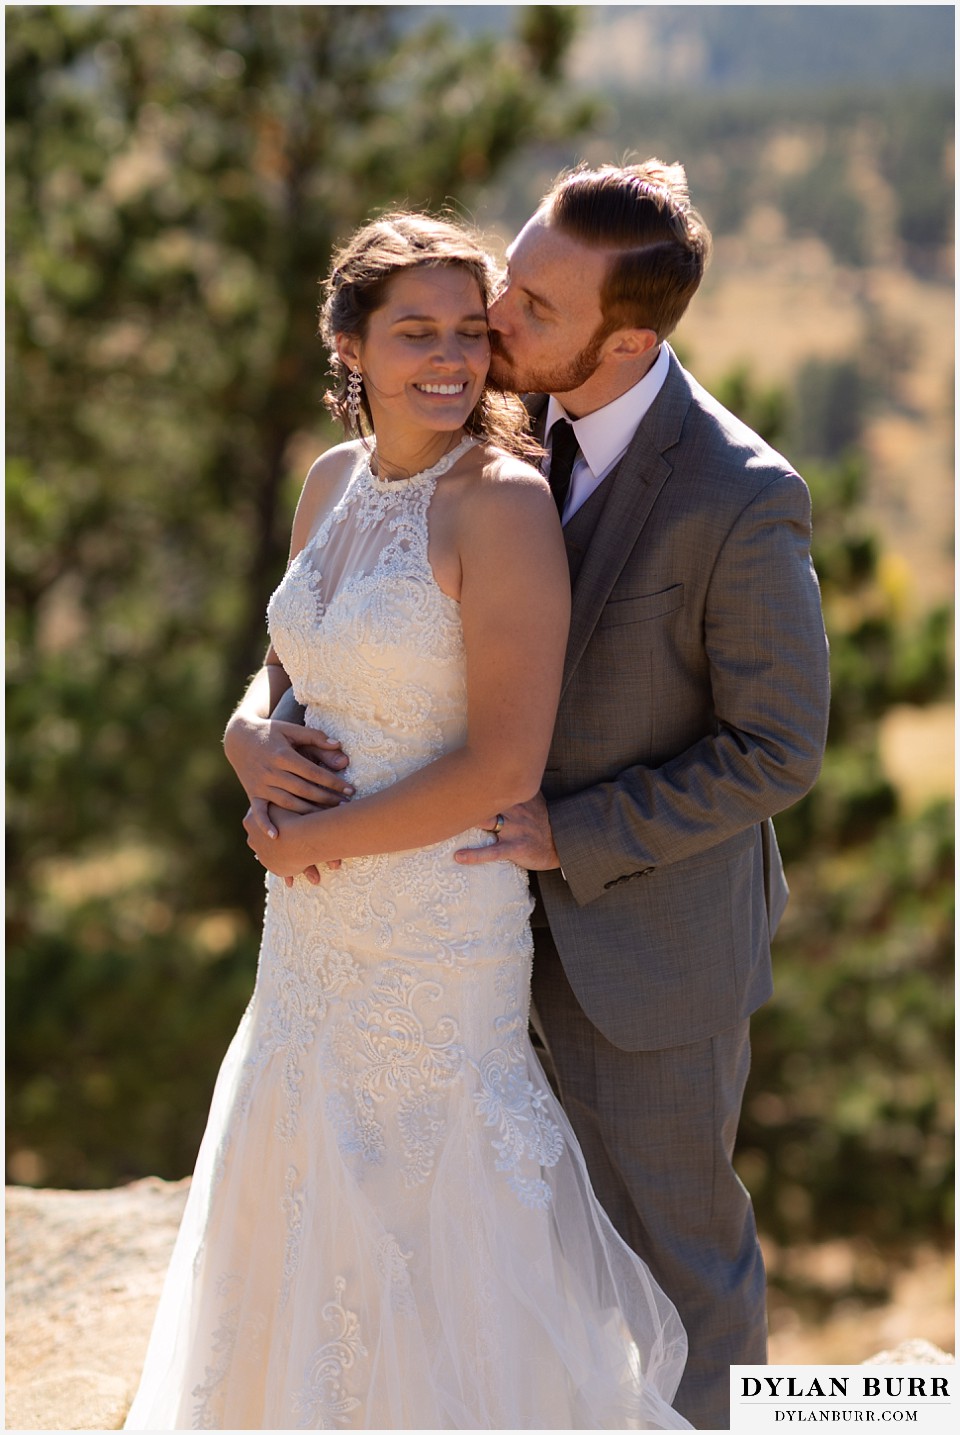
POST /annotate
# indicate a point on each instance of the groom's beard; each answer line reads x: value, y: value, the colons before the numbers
x: 560, y: 379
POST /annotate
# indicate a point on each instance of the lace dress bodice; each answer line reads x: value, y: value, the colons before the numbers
x: 373, y: 647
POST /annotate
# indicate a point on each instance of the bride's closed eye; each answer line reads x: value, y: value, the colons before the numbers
x: 471, y: 334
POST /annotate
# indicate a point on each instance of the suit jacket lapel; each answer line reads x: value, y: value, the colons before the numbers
x: 635, y: 485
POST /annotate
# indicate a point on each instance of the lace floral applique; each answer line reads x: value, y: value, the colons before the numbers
x: 512, y: 1104
x: 365, y: 900
x: 309, y: 968
x: 386, y: 1047
x: 323, y: 1403
x: 292, y: 1205
x: 509, y: 930
x: 422, y: 1126
x: 358, y: 1132
x: 526, y: 1136
x: 232, y: 1339
x: 436, y: 892
x: 392, y: 1263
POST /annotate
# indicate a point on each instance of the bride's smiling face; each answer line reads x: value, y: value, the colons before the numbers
x: 426, y: 352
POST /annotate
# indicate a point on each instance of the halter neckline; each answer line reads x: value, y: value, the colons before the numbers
x: 434, y: 471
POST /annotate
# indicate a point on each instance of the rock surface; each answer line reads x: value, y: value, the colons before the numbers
x: 84, y: 1272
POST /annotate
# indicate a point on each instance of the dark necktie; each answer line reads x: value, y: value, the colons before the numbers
x: 563, y: 451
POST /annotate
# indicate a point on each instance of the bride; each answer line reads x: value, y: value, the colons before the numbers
x: 390, y: 1225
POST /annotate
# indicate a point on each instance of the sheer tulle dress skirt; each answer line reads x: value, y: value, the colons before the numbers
x: 390, y: 1224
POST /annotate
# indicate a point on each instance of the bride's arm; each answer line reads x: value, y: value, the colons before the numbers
x: 515, y: 607
x: 266, y: 745
x: 277, y: 760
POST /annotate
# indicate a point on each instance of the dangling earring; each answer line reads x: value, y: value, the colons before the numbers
x: 354, y: 390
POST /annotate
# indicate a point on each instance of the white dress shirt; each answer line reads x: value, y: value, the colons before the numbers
x: 604, y: 436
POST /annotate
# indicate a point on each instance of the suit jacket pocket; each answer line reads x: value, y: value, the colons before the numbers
x: 641, y: 609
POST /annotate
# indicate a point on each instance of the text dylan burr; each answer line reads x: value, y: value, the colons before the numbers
x: 888, y: 1387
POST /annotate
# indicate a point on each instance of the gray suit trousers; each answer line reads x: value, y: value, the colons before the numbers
x: 657, y: 1130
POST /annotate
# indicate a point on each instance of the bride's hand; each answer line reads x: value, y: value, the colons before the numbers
x: 312, y: 873
x: 270, y: 758
x: 288, y: 854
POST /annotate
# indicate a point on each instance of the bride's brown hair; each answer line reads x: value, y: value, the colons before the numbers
x: 357, y: 286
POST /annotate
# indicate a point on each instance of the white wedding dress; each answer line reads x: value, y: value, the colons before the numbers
x: 390, y: 1225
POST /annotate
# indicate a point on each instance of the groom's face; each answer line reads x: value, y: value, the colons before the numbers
x: 545, y: 321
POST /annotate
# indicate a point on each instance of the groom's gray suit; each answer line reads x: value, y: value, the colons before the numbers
x: 694, y: 707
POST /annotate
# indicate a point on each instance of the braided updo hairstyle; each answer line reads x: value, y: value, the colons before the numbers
x: 357, y: 286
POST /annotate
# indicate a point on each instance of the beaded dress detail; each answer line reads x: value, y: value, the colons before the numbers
x: 390, y: 1225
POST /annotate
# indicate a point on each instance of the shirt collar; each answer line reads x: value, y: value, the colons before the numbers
x: 606, y: 433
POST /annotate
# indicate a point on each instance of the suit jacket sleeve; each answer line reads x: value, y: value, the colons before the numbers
x: 768, y: 673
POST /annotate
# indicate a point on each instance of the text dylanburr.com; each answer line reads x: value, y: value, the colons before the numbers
x: 798, y: 1397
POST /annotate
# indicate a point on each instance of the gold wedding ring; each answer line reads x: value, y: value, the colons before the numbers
x: 497, y: 827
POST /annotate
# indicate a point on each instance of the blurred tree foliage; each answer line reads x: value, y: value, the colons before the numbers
x: 176, y: 178
x: 829, y: 402
x: 867, y: 171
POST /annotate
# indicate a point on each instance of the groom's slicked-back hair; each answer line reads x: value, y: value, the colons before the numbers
x: 659, y: 243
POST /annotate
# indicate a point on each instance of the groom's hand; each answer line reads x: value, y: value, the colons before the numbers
x: 270, y: 758
x: 525, y: 839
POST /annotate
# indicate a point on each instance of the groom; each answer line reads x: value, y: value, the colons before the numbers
x: 694, y: 707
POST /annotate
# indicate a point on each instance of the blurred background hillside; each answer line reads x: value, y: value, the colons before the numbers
x: 176, y: 179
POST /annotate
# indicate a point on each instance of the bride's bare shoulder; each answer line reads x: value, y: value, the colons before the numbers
x: 325, y: 482
x: 502, y: 478
x: 495, y: 467
x: 332, y: 467
x: 506, y: 494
